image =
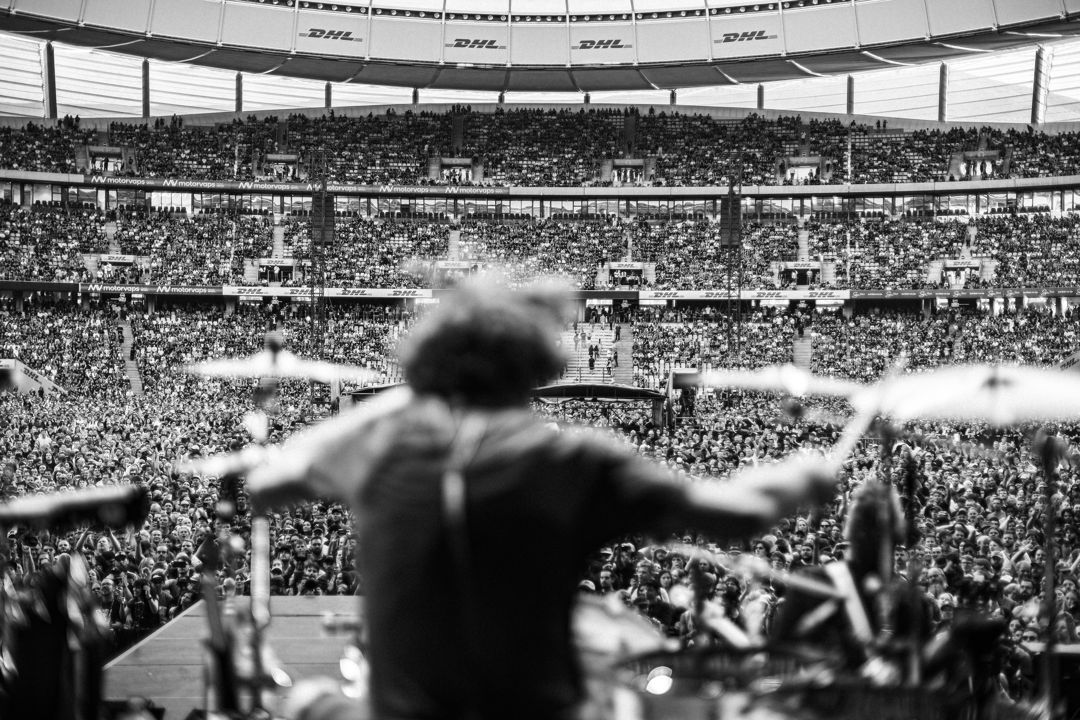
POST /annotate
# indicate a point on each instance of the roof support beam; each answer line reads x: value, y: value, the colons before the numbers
x: 943, y: 93
x: 239, y: 92
x: 850, y: 105
x: 1044, y: 61
x: 48, y: 80
x: 328, y: 96
x: 760, y: 97
x: 145, y: 88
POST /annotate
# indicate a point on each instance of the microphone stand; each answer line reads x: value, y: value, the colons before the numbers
x: 268, y: 399
x: 221, y: 694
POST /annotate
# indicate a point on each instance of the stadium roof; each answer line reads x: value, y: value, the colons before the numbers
x: 574, y: 45
x: 97, y: 64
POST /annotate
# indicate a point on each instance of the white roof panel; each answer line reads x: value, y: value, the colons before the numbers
x: 174, y: 86
x: 278, y: 92
x: 93, y: 83
x: 20, y: 77
x: 991, y: 87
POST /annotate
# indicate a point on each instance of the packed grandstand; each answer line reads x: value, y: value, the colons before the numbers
x: 138, y: 248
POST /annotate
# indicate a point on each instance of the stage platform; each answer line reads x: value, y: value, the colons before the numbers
x: 167, y: 667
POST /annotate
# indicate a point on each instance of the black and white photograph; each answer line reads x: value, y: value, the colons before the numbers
x: 539, y: 360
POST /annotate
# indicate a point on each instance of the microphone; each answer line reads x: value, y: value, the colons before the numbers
x: 114, y: 507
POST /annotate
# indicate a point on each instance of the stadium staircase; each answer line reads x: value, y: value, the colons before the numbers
x: 251, y: 265
x: 934, y: 270
x: 577, y: 364
x: 91, y: 262
x: 279, y: 239
x: 110, y: 233
x: 629, y: 132
x: 434, y: 167
x: 453, y: 250
x: 624, y: 374
x: 457, y: 133
x: 131, y: 368
x: 802, y: 351
x: 804, y: 244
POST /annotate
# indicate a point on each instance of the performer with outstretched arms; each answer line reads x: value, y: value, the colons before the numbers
x: 457, y: 487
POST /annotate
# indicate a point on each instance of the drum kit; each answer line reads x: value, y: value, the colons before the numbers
x: 769, y: 679
x: 634, y: 671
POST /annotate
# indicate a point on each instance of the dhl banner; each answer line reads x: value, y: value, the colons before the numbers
x: 1071, y: 363
x: 745, y: 295
x: 249, y: 291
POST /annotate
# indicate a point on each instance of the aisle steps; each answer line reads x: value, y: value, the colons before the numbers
x: 453, y: 250
x: 802, y: 351
x: 279, y: 241
x: 624, y: 374
x: 577, y: 364
x: 131, y: 368
x: 110, y: 233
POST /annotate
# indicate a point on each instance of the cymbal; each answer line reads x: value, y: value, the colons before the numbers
x: 281, y: 364
x: 782, y: 378
x: 998, y: 395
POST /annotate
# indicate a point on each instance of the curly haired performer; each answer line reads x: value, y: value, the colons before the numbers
x: 457, y: 487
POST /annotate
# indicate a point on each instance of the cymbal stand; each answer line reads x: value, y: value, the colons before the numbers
x: 268, y: 400
x: 221, y: 692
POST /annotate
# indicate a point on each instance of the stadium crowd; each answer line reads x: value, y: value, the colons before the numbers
x: 43, y: 148
x: 173, y: 247
x: 661, y: 344
x: 690, y: 255
x: 100, y: 432
x: 41, y: 244
x: 864, y: 346
x: 371, y: 253
x: 559, y: 147
x: 980, y: 501
x: 542, y: 147
x: 549, y: 247
x: 171, y: 149
x: 201, y: 249
x: 76, y: 347
x: 979, y: 510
